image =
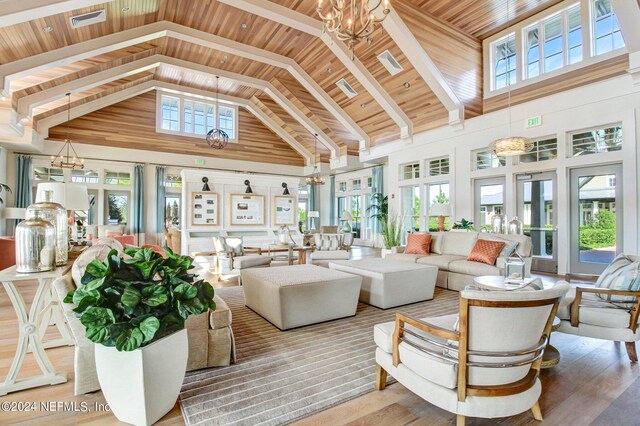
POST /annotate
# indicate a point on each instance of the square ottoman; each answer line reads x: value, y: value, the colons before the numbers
x: 297, y: 295
x: 386, y: 283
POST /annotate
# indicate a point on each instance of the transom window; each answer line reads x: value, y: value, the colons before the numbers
x: 439, y: 166
x: 596, y: 141
x: 189, y: 116
x: 48, y: 174
x: 117, y: 178
x: 541, y: 150
x: 173, y: 181
x: 342, y: 186
x: 606, y: 29
x: 84, y: 176
x: 411, y: 171
x: 504, y: 60
x: 487, y: 159
x: 356, y: 185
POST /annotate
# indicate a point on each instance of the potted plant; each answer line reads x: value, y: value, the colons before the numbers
x: 463, y: 225
x: 135, y: 309
x: 391, y: 235
x: 378, y: 210
x: 4, y: 188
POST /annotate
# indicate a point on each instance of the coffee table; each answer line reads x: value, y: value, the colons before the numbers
x: 551, y: 356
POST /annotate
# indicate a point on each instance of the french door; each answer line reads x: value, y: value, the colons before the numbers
x: 536, y: 198
x: 596, y: 218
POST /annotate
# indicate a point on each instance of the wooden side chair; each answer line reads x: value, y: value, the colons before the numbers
x: 233, y: 256
x: 483, y: 362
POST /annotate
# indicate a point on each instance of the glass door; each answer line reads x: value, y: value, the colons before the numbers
x: 536, y: 197
x: 596, y: 218
x: 489, y: 200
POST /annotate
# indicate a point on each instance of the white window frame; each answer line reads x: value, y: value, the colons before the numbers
x: 413, y: 165
x: 592, y: 29
x: 427, y: 166
x: 535, y: 141
x: 504, y: 39
x: 474, y: 160
x: 570, y: 135
x: 233, y: 138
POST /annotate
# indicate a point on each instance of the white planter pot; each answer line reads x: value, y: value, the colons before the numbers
x: 143, y: 385
x: 385, y: 252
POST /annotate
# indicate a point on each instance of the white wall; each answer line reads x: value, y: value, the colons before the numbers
x: 600, y: 104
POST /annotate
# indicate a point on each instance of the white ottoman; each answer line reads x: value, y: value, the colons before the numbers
x: 386, y: 283
x: 297, y: 295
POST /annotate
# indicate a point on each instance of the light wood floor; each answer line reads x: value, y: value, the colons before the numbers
x: 593, y: 384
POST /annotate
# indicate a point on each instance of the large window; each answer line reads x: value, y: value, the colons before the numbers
x: 356, y: 213
x: 187, y: 116
x: 342, y: 206
x: 487, y: 159
x: 438, y: 196
x: 489, y: 198
x: 117, y: 207
x: 411, y: 208
x: 172, y: 210
x: 606, y: 29
x: 503, y: 54
x: 596, y: 141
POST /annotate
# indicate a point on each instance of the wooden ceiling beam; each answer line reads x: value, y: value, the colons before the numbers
x: 311, y: 26
x: 156, y: 30
x: 15, y: 12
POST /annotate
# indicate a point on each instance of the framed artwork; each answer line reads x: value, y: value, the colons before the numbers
x: 204, y: 209
x: 246, y: 209
x: 284, y: 210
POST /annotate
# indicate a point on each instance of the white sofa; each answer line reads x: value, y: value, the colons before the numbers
x: 449, y: 252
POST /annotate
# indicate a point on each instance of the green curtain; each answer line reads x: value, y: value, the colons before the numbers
x: 332, y: 200
x: 313, y: 198
x: 376, y: 187
x: 23, y: 191
x: 160, y: 203
x: 138, y: 203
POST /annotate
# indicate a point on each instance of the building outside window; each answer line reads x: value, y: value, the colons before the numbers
x: 172, y: 210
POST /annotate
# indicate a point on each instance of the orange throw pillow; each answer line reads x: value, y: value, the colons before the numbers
x: 486, y: 251
x: 418, y: 244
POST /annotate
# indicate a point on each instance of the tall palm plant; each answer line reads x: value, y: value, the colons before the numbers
x: 379, y: 208
x: 4, y: 188
x: 391, y: 232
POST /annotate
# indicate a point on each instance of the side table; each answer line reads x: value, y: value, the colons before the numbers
x: 44, y: 311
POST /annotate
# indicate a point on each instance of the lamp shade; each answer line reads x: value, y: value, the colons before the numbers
x: 440, y: 209
x: 70, y: 196
x: 313, y: 213
x: 346, y: 216
x: 13, y: 213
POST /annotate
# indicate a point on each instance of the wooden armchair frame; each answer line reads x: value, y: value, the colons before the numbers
x: 634, y: 311
x: 463, y: 362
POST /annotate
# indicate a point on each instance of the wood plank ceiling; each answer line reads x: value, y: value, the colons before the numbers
x: 449, y: 31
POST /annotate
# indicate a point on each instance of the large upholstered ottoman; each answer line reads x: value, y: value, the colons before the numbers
x: 386, y: 283
x: 297, y: 295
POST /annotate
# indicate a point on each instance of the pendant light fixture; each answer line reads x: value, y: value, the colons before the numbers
x: 315, y: 178
x: 511, y: 145
x: 66, y: 161
x: 352, y: 20
x: 217, y: 138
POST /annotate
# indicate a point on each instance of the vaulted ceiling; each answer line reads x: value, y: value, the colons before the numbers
x: 273, y: 60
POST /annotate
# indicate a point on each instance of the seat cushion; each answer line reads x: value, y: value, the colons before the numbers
x: 418, y: 244
x: 401, y: 257
x: 486, y: 251
x: 523, y: 242
x: 442, y: 261
x: 621, y: 274
x: 458, y: 243
x: 469, y: 267
x: 594, y: 311
x: 250, y: 261
x: 330, y: 255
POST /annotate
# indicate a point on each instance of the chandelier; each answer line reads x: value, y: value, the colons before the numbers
x: 217, y: 138
x: 511, y: 145
x: 315, y: 178
x: 61, y: 161
x: 352, y: 20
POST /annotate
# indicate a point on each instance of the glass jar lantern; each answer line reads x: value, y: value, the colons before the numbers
x: 515, y: 226
x: 514, y: 269
x: 499, y: 224
x: 57, y: 215
x: 283, y: 235
x: 35, y: 245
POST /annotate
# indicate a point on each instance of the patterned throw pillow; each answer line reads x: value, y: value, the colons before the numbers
x: 329, y: 242
x: 621, y: 274
x: 486, y: 251
x: 418, y: 244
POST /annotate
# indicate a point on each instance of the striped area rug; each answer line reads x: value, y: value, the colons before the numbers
x: 283, y: 376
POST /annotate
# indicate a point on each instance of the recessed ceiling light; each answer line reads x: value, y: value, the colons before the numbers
x: 329, y: 70
x: 407, y: 84
x: 363, y: 105
x: 244, y: 26
x: 47, y: 29
x: 126, y: 9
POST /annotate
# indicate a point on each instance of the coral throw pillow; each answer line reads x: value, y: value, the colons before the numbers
x: 418, y: 244
x: 486, y: 251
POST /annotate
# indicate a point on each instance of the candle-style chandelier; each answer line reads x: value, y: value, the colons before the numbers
x: 66, y: 161
x: 315, y: 178
x: 352, y: 20
x: 217, y: 138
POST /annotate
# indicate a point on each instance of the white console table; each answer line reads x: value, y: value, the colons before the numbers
x: 33, y: 324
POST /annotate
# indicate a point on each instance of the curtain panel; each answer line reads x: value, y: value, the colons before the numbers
x: 138, y: 203
x: 160, y: 203
x: 332, y: 200
x: 376, y: 187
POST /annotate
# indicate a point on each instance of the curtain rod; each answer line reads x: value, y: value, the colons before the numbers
x: 165, y: 165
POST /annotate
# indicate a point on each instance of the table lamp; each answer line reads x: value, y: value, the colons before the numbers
x: 313, y: 215
x: 346, y: 217
x: 440, y: 210
x: 71, y: 196
x: 9, y: 213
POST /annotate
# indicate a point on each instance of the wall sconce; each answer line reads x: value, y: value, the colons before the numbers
x: 205, y: 187
x: 286, y: 189
x: 249, y: 190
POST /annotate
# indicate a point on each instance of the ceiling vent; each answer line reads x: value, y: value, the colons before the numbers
x: 88, y: 19
x: 346, y: 88
x: 390, y: 63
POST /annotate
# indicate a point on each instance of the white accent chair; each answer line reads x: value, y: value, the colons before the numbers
x: 585, y: 312
x: 488, y: 368
x: 329, y: 247
x: 232, y: 256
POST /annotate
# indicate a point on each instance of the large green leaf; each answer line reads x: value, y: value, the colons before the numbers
x: 130, y: 339
x: 94, y: 284
x: 98, y: 334
x: 97, y: 317
x: 149, y: 327
x: 154, y: 295
x: 96, y: 268
x: 185, y: 291
x: 69, y: 297
x: 131, y: 297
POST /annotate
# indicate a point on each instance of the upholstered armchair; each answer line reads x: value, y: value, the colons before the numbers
x: 483, y: 362
x: 232, y: 256
x: 173, y: 237
x: 329, y: 247
x: 604, y: 313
